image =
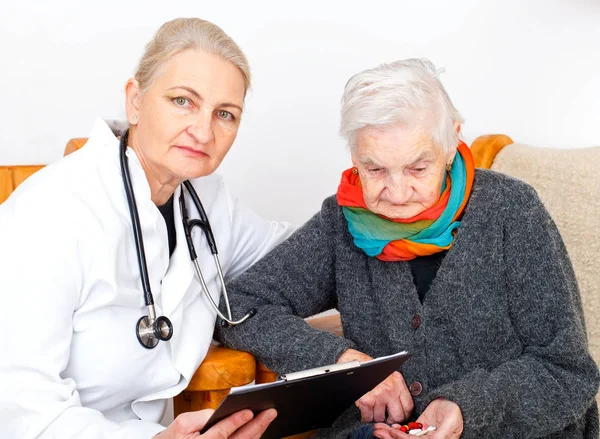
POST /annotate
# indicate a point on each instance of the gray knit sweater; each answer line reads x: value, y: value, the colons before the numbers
x: 501, y: 329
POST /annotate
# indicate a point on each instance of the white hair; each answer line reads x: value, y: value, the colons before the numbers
x: 407, y: 93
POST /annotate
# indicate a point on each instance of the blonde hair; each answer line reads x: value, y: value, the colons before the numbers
x: 181, y: 34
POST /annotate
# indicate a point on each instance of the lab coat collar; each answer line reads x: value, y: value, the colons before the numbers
x: 106, y: 146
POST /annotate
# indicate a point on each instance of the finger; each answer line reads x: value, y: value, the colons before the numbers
x: 256, y: 427
x: 379, y: 412
x: 396, y: 412
x: 190, y: 422
x: 383, y: 434
x: 229, y: 425
x: 425, y: 418
x: 406, y: 397
x: 384, y: 431
x: 366, y: 405
x: 442, y: 431
x: 401, y: 405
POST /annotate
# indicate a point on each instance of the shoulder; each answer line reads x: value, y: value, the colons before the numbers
x: 331, y: 214
x: 328, y: 221
x: 502, y: 192
x: 331, y: 208
x: 53, y: 185
x: 67, y: 196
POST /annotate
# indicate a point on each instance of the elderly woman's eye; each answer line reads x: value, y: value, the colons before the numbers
x: 181, y: 101
x: 419, y: 170
x: 226, y: 115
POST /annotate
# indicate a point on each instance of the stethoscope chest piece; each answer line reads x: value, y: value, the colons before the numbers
x: 150, y: 333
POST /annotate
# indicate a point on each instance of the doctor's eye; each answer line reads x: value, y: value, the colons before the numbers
x: 181, y: 101
x: 225, y: 115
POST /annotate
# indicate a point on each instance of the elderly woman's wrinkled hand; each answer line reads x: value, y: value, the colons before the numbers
x: 353, y: 355
x: 391, y: 396
x: 446, y: 416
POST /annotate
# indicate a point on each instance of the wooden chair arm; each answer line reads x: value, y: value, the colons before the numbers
x: 485, y: 148
x: 13, y: 176
x: 222, y: 369
x: 74, y: 144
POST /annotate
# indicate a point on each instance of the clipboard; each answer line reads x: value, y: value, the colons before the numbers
x: 309, y: 399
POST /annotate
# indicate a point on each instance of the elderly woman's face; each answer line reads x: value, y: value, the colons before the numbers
x: 401, y: 170
x: 189, y: 116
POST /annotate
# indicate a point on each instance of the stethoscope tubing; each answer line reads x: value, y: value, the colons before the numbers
x: 135, y: 222
x: 150, y: 329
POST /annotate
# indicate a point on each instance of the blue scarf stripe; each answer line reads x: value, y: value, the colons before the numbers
x: 457, y: 193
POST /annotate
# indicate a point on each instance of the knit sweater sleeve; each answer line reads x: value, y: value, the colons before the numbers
x: 554, y: 380
x: 294, y: 281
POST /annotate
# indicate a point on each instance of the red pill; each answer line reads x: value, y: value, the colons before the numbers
x: 404, y: 429
x: 414, y: 425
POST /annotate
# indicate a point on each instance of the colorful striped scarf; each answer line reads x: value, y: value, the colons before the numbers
x: 429, y: 232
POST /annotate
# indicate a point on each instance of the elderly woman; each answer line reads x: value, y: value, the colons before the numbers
x: 107, y: 317
x: 419, y: 251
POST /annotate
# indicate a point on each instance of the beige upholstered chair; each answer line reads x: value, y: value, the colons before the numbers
x: 568, y: 183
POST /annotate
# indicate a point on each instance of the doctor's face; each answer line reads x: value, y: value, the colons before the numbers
x: 188, y: 117
x: 401, y: 170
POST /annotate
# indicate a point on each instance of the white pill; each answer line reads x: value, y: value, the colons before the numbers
x: 415, y: 431
x: 431, y: 428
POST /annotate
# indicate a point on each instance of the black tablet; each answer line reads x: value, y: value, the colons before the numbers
x: 309, y: 399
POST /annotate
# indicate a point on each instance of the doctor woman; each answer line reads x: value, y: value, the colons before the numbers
x: 79, y: 356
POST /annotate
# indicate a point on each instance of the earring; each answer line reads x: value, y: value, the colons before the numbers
x: 134, y: 117
x: 354, y: 171
x: 449, y: 166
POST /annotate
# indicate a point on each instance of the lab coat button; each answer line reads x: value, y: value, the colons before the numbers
x: 416, y: 388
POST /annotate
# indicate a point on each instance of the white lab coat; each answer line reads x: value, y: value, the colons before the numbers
x: 70, y: 296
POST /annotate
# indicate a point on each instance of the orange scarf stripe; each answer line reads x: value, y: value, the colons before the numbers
x: 405, y: 250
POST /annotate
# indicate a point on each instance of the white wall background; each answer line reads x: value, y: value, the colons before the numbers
x: 530, y: 69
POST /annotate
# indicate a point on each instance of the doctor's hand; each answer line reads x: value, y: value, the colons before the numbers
x: 240, y: 425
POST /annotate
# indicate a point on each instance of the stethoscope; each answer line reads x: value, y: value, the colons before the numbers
x: 151, y: 329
